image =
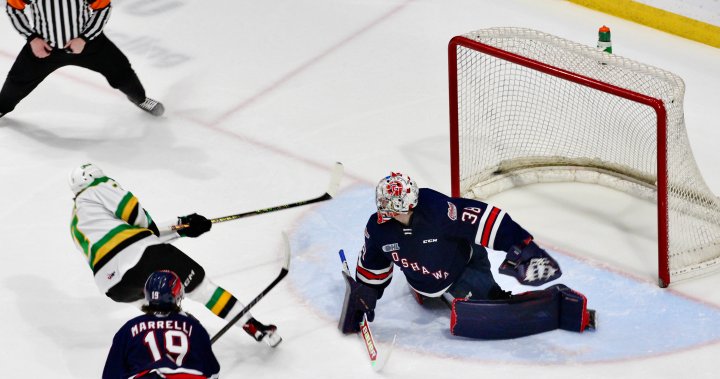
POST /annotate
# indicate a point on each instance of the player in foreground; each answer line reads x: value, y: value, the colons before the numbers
x: 165, y: 342
x: 123, y: 246
x: 440, y: 244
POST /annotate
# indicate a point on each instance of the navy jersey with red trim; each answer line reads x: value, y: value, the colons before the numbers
x: 433, y: 250
x: 174, y: 344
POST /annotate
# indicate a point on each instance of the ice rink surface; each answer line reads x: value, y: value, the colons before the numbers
x: 262, y: 98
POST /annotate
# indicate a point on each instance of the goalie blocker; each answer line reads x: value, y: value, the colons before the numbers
x: 359, y: 299
x: 522, y: 315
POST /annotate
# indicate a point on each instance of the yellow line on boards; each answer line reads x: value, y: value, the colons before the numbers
x: 657, y: 18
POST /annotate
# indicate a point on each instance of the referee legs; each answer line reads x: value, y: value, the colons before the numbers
x: 27, y: 72
x: 99, y: 55
x: 102, y: 56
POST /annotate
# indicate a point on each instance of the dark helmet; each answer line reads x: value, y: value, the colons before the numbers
x: 164, y: 290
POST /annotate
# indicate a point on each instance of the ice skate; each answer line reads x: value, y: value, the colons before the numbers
x: 592, y: 323
x: 151, y: 106
x: 262, y: 332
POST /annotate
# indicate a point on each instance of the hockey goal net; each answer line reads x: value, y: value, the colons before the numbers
x: 528, y: 107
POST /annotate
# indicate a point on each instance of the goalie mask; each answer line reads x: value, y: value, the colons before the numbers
x: 395, y: 194
x: 81, y: 177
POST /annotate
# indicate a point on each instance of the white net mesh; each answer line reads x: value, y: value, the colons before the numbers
x: 519, y: 125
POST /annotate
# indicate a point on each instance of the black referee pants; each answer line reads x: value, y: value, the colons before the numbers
x: 100, y: 55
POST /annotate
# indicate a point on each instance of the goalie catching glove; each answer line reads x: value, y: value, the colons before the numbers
x: 530, y: 265
x: 196, y: 225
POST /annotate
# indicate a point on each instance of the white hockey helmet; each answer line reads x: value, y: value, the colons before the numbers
x: 395, y: 194
x: 81, y: 177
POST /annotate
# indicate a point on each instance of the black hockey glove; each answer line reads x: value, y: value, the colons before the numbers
x: 530, y: 265
x: 196, y: 225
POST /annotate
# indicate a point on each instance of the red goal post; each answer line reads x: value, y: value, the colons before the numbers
x: 528, y: 107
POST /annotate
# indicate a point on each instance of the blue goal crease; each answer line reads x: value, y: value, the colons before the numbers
x: 630, y: 313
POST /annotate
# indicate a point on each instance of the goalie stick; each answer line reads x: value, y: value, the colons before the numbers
x: 337, y: 173
x: 283, y: 273
x: 377, y: 361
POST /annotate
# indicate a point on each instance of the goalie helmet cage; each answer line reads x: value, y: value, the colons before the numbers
x: 528, y: 107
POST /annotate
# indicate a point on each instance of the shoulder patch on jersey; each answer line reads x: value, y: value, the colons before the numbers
x: 452, y: 211
x: 391, y: 247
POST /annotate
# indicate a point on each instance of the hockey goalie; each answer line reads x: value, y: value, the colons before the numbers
x: 439, y: 243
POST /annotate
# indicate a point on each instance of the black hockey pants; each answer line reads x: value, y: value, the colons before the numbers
x: 156, y: 257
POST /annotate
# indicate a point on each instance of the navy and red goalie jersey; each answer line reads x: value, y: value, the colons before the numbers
x: 174, y: 344
x: 434, y: 249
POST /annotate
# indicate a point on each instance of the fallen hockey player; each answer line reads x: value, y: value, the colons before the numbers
x: 123, y: 246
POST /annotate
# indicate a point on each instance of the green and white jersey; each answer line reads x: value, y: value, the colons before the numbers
x: 112, y: 230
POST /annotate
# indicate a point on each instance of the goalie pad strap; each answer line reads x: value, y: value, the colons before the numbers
x: 525, y: 314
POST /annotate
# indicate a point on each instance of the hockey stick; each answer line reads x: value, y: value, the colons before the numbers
x: 283, y: 273
x: 337, y: 173
x: 376, y: 360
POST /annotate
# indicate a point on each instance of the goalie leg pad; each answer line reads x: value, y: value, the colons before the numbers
x: 359, y: 299
x: 574, y: 315
x: 522, y: 315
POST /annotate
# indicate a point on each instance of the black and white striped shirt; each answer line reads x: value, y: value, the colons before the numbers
x: 59, y: 21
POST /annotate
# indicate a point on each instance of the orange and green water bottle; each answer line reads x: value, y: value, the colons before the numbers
x: 604, y: 43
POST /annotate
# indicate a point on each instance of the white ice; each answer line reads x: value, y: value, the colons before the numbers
x: 262, y: 98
